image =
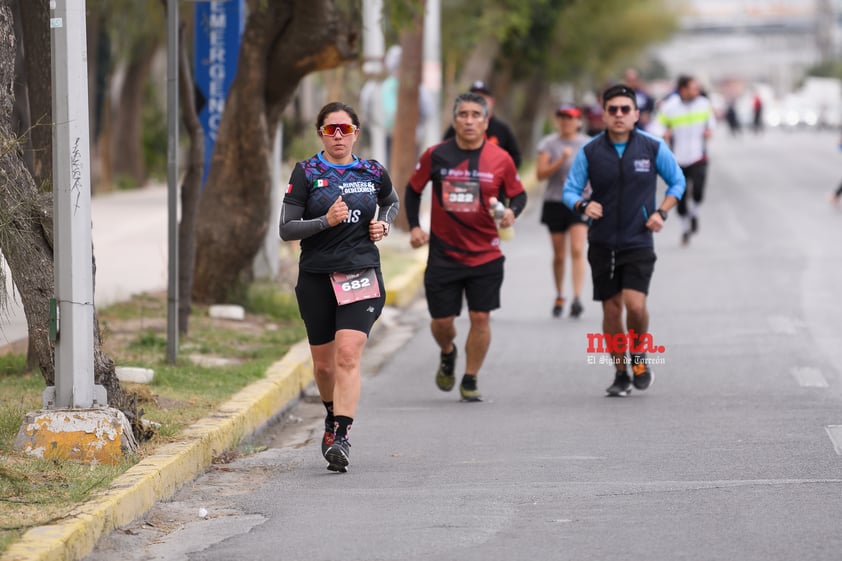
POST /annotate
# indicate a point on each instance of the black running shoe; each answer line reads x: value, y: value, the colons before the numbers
x: 622, y: 385
x: 643, y: 377
x: 694, y: 224
x: 576, y: 308
x: 685, y: 238
x: 558, y: 306
x: 445, y: 377
x: 338, y: 455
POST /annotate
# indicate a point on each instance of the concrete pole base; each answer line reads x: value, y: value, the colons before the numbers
x: 90, y: 436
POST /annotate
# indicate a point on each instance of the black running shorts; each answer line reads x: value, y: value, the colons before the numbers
x: 613, y: 271
x: 323, y: 317
x: 559, y: 218
x: 480, y: 285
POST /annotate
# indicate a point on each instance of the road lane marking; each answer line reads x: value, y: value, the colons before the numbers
x: 835, y: 434
x: 809, y: 377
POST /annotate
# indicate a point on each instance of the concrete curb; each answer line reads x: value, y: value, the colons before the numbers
x: 159, y: 476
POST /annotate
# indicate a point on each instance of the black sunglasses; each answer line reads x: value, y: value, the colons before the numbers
x: 614, y: 109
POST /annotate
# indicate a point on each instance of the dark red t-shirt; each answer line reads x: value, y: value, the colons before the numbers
x: 462, y: 231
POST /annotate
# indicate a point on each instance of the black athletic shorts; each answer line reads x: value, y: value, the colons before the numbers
x: 445, y: 286
x: 323, y: 317
x: 559, y: 218
x: 612, y: 271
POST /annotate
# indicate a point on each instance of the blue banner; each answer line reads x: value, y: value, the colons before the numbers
x: 219, y: 27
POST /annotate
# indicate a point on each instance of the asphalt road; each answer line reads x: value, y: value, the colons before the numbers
x: 734, y: 453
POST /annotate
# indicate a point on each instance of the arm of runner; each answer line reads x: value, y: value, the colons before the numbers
x: 576, y: 181
x: 388, y: 208
x: 545, y: 166
x: 294, y: 228
x: 671, y: 173
x: 389, y: 205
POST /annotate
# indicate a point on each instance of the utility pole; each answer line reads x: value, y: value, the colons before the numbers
x: 373, y: 51
x: 431, y: 71
x: 76, y: 422
x: 172, y: 180
x: 73, y: 253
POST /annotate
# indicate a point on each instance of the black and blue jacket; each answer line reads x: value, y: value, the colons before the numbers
x: 624, y: 180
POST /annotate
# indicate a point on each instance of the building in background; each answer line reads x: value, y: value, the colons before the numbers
x: 743, y: 48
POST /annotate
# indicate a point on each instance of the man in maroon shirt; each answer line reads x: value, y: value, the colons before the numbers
x: 467, y: 172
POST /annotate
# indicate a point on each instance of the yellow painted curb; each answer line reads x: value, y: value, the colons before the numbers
x: 403, y: 288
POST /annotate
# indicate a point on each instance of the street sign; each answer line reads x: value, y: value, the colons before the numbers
x: 219, y: 27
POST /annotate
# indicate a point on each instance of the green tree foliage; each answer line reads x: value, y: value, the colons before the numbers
x: 563, y: 39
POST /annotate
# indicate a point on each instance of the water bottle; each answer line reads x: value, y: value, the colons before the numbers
x: 497, y: 210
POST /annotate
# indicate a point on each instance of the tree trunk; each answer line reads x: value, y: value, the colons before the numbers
x: 99, y: 79
x: 478, y: 66
x: 20, y: 115
x: 127, y: 117
x: 404, y: 141
x: 25, y: 214
x: 35, y: 25
x: 531, y: 113
x: 38, y: 102
x: 191, y: 186
x: 282, y: 42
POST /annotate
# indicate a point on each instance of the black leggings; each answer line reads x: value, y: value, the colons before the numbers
x: 695, y: 175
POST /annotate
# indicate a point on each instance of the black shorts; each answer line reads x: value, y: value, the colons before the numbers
x: 445, y: 286
x: 612, y: 271
x: 559, y: 218
x: 323, y: 317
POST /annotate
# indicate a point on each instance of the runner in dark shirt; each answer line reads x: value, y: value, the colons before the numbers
x: 468, y: 174
x: 338, y: 206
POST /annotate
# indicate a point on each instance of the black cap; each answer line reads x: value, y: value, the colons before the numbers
x: 480, y: 87
x: 619, y: 90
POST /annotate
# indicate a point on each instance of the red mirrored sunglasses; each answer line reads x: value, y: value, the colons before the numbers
x: 344, y: 128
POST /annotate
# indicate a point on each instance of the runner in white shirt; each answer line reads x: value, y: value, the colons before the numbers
x: 688, y: 121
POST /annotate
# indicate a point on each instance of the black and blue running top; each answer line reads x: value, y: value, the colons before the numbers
x: 314, y: 185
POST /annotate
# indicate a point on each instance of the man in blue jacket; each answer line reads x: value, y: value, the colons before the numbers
x: 622, y: 164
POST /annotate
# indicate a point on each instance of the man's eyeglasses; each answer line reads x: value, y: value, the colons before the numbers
x: 344, y: 128
x: 614, y: 109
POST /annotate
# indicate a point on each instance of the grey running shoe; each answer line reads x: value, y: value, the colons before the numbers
x: 469, y: 395
x: 327, y: 441
x: 622, y: 385
x: 576, y: 308
x: 338, y: 455
x: 643, y: 377
x: 445, y: 377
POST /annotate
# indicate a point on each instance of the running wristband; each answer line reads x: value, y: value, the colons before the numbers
x: 663, y: 214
